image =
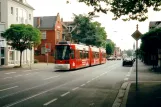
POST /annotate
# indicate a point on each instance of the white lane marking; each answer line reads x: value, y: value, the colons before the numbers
x: 7, y: 77
x: 88, y: 81
x: 8, y: 88
x: 29, y: 73
x: 22, y: 100
x: 32, y: 73
x: 93, y: 79
x: 26, y: 71
x: 75, y: 88
x: 65, y: 94
x: 51, y: 101
x: 83, y: 85
x: 10, y: 73
x: 128, y: 75
x: 51, y: 77
x: 126, y: 79
x: 18, y: 75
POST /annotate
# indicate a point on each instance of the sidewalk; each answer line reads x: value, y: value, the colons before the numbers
x: 149, y: 89
x: 33, y: 66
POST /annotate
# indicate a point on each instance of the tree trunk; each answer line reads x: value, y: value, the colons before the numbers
x: 20, y: 58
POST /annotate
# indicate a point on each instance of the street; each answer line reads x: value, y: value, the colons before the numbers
x: 95, y: 86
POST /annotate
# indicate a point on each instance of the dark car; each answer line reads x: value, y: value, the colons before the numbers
x: 127, y: 61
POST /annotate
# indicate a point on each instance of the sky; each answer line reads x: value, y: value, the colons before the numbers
x: 118, y: 31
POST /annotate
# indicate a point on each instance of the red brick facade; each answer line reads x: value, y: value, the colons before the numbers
x: 53, y: 36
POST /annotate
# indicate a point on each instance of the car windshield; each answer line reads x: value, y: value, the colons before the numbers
x: 62, y: 52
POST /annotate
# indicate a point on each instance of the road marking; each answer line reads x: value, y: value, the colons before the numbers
x: 18, y: 75
x: 88, y: 81
x: 10, y: 73
x: 29, y: 73
x: 126, y: 79
x: 26, y: 71
x: 51, y: 77
x: 22, y: 100
x: 83, y: 85
x: 51, y: 101
x: 75, y: 88
x: 128, y: 75
x: 8, y: 88
x: 93, y: 79
x: 65, y: 94
x: 7, y: 77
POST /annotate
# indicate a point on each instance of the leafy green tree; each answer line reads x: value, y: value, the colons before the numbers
x: 129, y: 52
x: 22, y: 37
x: 130, y: 9
x: 150, y: 43
x: 110, y: 48
x: 90, y: 33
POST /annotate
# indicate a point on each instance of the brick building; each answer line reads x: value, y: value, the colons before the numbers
x: 51, y: 29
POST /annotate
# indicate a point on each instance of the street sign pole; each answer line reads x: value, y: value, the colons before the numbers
x: 47, y: 57
x: 136, y: 35
x: 136, y: 65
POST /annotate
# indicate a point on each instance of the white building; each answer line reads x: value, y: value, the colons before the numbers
x: 14, y: 12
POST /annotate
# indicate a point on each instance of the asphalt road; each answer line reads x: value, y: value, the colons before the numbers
x: 95, y: 86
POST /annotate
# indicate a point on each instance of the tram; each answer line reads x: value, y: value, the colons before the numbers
x: 73, y: 56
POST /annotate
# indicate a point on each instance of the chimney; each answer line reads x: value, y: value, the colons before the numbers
x: 38, y: 22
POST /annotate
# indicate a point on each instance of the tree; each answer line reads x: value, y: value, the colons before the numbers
x: 129, y: 52
x: 110, y: 48
x: 90, y: 33
x: 131, y: 9
x: 150, y: 43
x: 22, y: 37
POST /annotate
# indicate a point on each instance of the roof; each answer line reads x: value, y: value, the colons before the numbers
x: 46, y: 22
x: 25, y: 4
x: 154, y: 23
x: 69, y: 23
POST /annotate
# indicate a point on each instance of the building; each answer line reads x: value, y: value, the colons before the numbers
x: 14, y: 12
x: 117, y: 52
x: 51, y: 29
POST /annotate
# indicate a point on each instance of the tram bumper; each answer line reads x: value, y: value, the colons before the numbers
x: 62, y: 66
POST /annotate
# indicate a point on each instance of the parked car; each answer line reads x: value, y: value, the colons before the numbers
x: 111, y: 58
x: 127, y: 61
x: 118, y: 58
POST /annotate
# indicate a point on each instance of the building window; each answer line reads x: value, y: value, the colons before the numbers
x: 43, y: 34
x: 2, y: 52
x: 43, y: 50
x: 11, y: 10
x: 17, y: 14
x: 29, y: 16
x: 11, y: 56
x: 0, y: 11
x: 58, y: 35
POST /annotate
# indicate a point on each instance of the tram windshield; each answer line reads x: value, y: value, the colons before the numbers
x: 62, y: 52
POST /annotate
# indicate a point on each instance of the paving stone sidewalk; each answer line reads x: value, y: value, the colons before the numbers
x: 33, y: 66
x: 149, y: 89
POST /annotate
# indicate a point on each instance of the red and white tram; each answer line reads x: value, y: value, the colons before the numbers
x: 74, y: 56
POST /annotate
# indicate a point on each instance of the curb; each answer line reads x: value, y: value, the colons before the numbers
x: 121, y: 94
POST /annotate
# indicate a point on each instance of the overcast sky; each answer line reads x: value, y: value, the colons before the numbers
x: 119, y: 31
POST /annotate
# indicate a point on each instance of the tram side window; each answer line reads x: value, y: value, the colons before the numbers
x: 81, y: 54
x: 86, y: 54
x: 72, y: 54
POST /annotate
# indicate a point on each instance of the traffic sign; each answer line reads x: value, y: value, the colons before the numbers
x: 136, y: 35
